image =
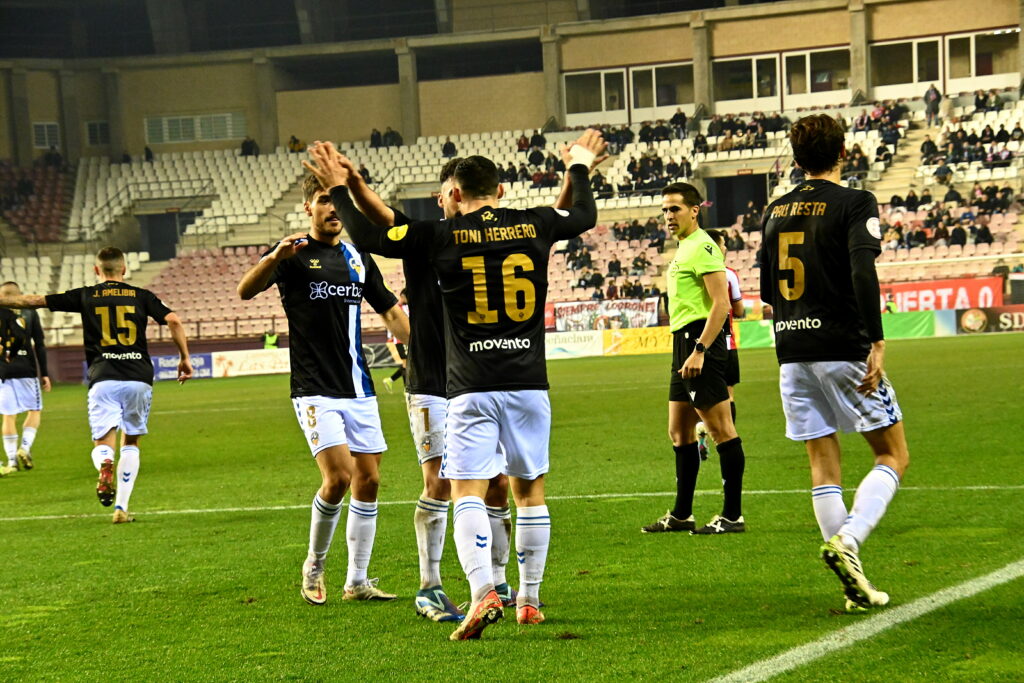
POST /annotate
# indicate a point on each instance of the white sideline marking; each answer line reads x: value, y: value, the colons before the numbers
x: 804, y: 654
x: 645, y: 494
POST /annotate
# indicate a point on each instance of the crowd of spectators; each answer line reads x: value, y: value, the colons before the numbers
x: 17, y: 190
x: 956, y: 220
x: 989, y: 147
x: 389, y: 138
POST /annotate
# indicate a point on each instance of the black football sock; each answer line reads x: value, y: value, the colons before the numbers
x: 730, y: 454
x: 687, y: 467
x: 397, y: 374
x: 732, y: 409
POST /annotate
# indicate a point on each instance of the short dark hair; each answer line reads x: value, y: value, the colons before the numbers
x: 717, y: 235
x: 477, y: 177
x: 110, y: 260
x: 691, y: 196
x: 311, y: 187
x: 448, y: 170
x: 817, y: 142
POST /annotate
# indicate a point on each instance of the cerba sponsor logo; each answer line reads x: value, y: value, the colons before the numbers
x: 350, y: 291
x: 507, y: 344
x: 801, y: 324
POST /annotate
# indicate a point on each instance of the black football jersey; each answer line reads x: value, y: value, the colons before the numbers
x: 809, y: 235
x: 114, y: 317
x: 30, y: 360
x: 492, y: 267
x: 322, y: 288
x: 425, y: 365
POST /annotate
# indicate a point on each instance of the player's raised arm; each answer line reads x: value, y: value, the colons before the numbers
x: 564, y: 200
x: 583, y: 214
x: 367, y: 201
x: 257, y: 278
x: 23, y: 301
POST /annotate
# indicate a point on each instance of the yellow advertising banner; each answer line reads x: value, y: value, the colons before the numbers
x: 637, y: 341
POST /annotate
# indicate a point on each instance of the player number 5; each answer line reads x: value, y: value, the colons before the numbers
x: 789, y: 262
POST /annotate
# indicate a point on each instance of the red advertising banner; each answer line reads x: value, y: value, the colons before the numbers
x: 940, y: 295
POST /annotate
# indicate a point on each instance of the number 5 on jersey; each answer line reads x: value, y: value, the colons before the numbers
x: 792, y: 263
x: 126, y: 330
x: 512, y: 286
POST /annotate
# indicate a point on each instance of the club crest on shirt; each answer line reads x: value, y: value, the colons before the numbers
x: 314, y: 438
x: 314, y: 263
x: 355, y: 265
x: 487, y: 216
x: 425, y: 445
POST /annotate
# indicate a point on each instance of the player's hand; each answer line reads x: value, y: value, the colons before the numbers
x: 327, y: 165
x: 693, y: 366
x: 184, y: 370
x: 563, y: 151
x: 875, y: 371
x: 45, y: 383
x: 289, y: 246
x: 587, y: 148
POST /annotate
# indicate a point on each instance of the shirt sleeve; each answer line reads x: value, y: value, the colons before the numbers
x: 735, y: 293
x: 561, y: 224
x: 156, y: 309
x: 69, y: 301
x: 39, y: 345
x: 863, y: 229
x: 409, y: 240
x: 708, y: 259
x: 375, y: 291
x: 274, y: 276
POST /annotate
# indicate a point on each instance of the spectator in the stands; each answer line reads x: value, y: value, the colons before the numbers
x: 896, y: 202
x: 25, y: 187
x: 940, y: 236
x: 715, y: 126
x: 685, y: 169
x: 1017, y: 134
x: 523, y: 143
x: 448, y: 149
x: 727, y: 143
x: 992, y: 101
x: 700, y: 143
x: 249, y: 148
x: 508, y: 174
x: 596, y: 279
x: 662, y: 131
x: 976, y: 152
x: 980, y: 102
x: 796, y: 175
x: 535, y: 157
x: 891, y: 135
x: 751, y: 220
x: 391, y: 138
x: 735, y: 241
x: 932, y: 100
x: 537, y: 178
x: 999, y: 157
x: 583, y: 281
x: 952, y: 196
x: 1002, y: 135
x: 538, y: 140
x: 295, y: 145
x: 926, y: 199
x: 928, y: 150
x: 943, y: 173
x: 958, y: 237
x: 523, y: 174
x: 893, y: 238
x: 862, y: 122
x: 584, y: 260
x: 614, y: 267
x: 988, y: 136
x: 911, y: 201
x: 760, y: 138
x: 1004, y: 197
x: 646, y: 134
x: 983, y: 235
x: 612, y: 291
x: 365, y: 172
x: 672, y: 168
x: 376, y: 140
x: 53, y: 158
x: 640, y: 265
x: 917, y: 237
x: 882, y: 154
x: 678, y: 122
x: 147, y: 154
x: 126, y: 158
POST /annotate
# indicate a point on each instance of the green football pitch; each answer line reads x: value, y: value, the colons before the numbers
x: 205, y: 586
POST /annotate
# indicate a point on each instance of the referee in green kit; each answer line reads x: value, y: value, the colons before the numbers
x: 698, y: 300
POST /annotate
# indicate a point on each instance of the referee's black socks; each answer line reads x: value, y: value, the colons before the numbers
x: 730, y: 454
x: 687, y: 467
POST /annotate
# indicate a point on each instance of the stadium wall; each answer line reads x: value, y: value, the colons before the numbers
x: 7, y: 131
x: 338, y: 113
x: 486, y: 15
x: 622, y: 48
x: 477, y: 105
x: 892, y: 20
x: 752, y: 35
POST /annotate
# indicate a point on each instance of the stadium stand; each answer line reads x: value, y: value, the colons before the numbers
x: 36, y: 216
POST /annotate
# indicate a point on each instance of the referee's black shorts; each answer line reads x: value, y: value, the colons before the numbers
x: 709, y: 388
x: 732, y: 368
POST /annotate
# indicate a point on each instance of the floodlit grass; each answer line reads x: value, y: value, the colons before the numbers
x: 193, y: 595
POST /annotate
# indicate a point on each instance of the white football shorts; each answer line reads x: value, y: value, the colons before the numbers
x: 519, y: 422
x: 821, y: 398
x: 20, y: 395
x: 327, y: 421
x: 116, y: 404
x: 426, y: 421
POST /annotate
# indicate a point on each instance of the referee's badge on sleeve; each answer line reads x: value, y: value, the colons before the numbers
x: 874, y: 228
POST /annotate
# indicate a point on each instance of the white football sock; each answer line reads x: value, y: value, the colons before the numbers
x: 431, y: 521
x: 829, y: 509
x: 360, y: 529
x: 873, y: 496
x: 323, y: 522
x: 501, y: 531
x: 11, y: 448
x: 127, y: 472
x: 533, y: 535
x: 28, y: 437
x: 472, y: 540
x: 101, y: 453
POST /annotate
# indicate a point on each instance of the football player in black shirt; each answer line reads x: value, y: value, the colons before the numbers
x: 818, y: 274
x: 492, y: 268
x: 114, y: 318
x: 24, y: 380
x: 322, y: 282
